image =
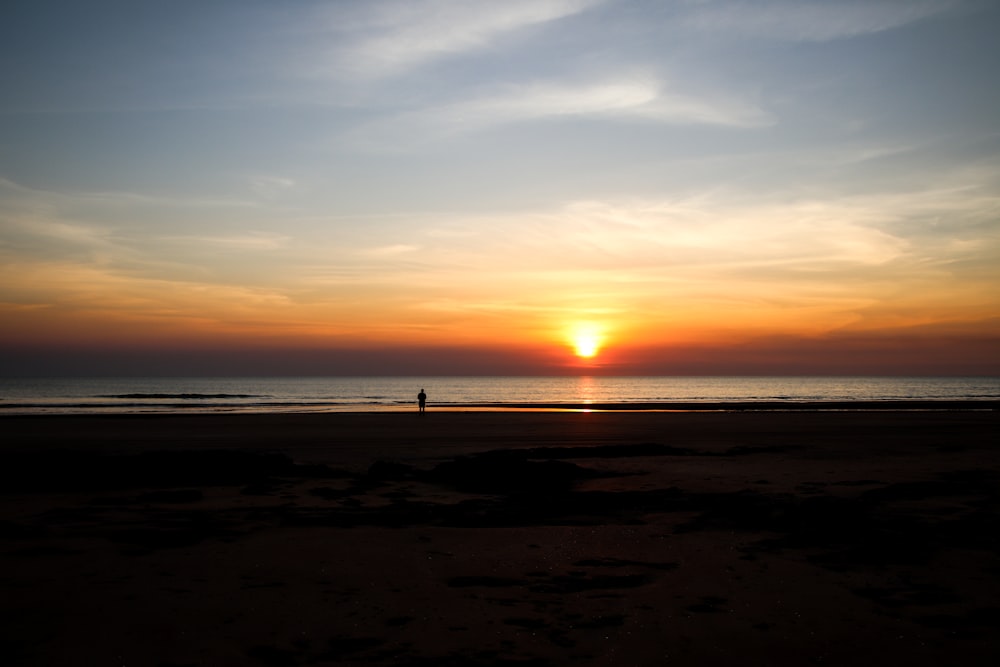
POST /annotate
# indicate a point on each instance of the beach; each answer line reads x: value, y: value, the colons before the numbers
x: 863, y: 536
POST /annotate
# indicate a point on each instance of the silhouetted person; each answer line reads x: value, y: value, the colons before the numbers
x: 422, y: 400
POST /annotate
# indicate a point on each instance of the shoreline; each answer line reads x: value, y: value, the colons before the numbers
x: 284, y: 430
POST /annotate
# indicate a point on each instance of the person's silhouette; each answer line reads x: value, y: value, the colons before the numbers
x: 422, y: 400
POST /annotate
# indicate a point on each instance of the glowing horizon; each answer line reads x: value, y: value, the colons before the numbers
x: 552, y: 186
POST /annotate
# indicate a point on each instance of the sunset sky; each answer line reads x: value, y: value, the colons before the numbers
x: 500, y: 186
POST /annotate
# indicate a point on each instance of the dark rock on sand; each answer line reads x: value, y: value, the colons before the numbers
x: 508, y: 472
x: 385, y: 471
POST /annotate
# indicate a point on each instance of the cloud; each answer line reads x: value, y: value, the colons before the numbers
x: 639, y: 98
x: 245, y: 241
x: 393, y: 37
x: 625, y: 97
x: 392, y: 250
x: 270, y: 187
x: 131, y: 237
x: 14, y: 195
x: 35, y: 224
x: 700, y: 236
x: 810, y: 20
x: 765, y: 261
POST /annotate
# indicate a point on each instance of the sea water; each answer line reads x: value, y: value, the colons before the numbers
x: 342, y: 394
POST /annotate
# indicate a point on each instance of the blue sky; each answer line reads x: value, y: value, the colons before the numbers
x: 499, y: 174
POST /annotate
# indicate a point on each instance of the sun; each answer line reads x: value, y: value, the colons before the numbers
x: 586, y: 345
x: 586, y: 340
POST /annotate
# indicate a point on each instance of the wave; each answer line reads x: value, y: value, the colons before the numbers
x: 181, y: 396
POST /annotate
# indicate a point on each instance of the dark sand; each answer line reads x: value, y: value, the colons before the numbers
x: 502, y: 538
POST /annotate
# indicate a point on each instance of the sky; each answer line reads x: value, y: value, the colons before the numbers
x: 437, y: 187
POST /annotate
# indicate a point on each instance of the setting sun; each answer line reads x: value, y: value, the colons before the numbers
x: 586, y: 340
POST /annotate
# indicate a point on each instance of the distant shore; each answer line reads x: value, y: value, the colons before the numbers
x: 42, y: 411
x: 738, y: 536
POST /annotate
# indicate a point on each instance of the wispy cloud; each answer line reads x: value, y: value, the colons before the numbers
x: 386, y: 38
x: 245, y: 241
x: 725, y: 245
x: 14, y: 194
x: 625, y: 98
x: 815, y: 264
x: 269, y: 187
x: 394, y: 250
x: 126, y: 235
x: 810, y: 20
x: 702, y: 237
x: 632, y: 97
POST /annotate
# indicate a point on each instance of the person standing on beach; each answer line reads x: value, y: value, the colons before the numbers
x: 422, y: 400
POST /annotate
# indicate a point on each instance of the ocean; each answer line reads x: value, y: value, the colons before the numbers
x: 352, y: 394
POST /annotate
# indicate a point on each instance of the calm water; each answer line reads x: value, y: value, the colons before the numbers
x: 341, y: 394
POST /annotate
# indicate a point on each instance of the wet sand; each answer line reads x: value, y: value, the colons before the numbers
x: 502, y: 538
